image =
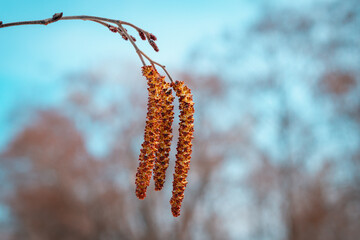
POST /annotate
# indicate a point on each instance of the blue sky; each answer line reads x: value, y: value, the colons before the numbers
x: 178, y: 24
x: 34, y: 59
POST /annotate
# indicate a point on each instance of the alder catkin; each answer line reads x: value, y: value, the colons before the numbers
x: 152, y: 132
x: 184, y: 146
x: 167, y: 117
x: 154, y: 155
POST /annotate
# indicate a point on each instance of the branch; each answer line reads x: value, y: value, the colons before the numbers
x: 107, y: 22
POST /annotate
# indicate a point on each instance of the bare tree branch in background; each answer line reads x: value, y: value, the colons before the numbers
x: 52, y: 174
x: 295, y: 71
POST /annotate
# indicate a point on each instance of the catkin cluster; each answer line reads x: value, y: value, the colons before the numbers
x: 154, y: 154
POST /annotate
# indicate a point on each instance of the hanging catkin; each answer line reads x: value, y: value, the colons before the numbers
x: 184, y: 146
x: 151, y: 134
x: 167, y: 116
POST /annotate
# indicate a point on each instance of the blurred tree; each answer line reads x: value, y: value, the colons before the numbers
x: 295, y: 71
x: 276, y: 152
x: 57, y: 189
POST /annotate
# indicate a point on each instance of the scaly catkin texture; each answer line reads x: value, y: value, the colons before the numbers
x: 152, y: 132
x: 183, y: 156
x: 167, y: 117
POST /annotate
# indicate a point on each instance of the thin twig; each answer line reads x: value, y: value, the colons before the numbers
x: 103, y: 21
x: 132, y: 42
x: 156, y: 63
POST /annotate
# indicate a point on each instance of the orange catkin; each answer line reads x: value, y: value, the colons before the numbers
x: 183, y: 156
x: 152, y: 132
x: 167, y: 116
x: 154, y: 154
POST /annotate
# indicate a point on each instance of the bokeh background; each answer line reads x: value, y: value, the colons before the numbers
x: 276, y: 152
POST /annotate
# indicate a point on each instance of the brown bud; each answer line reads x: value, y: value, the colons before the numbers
x: 113, y: 29
x: 57, y: 16
x: 153, y: 37
x: 124, y: 37
x: 142, y: 35
x: 154, y: 46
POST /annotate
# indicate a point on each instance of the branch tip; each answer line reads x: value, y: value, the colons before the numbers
x: 57, y: 16
x: 144, y: 35
x: 154, y: 46
x: 152, y: 37
x: 113, y: 29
